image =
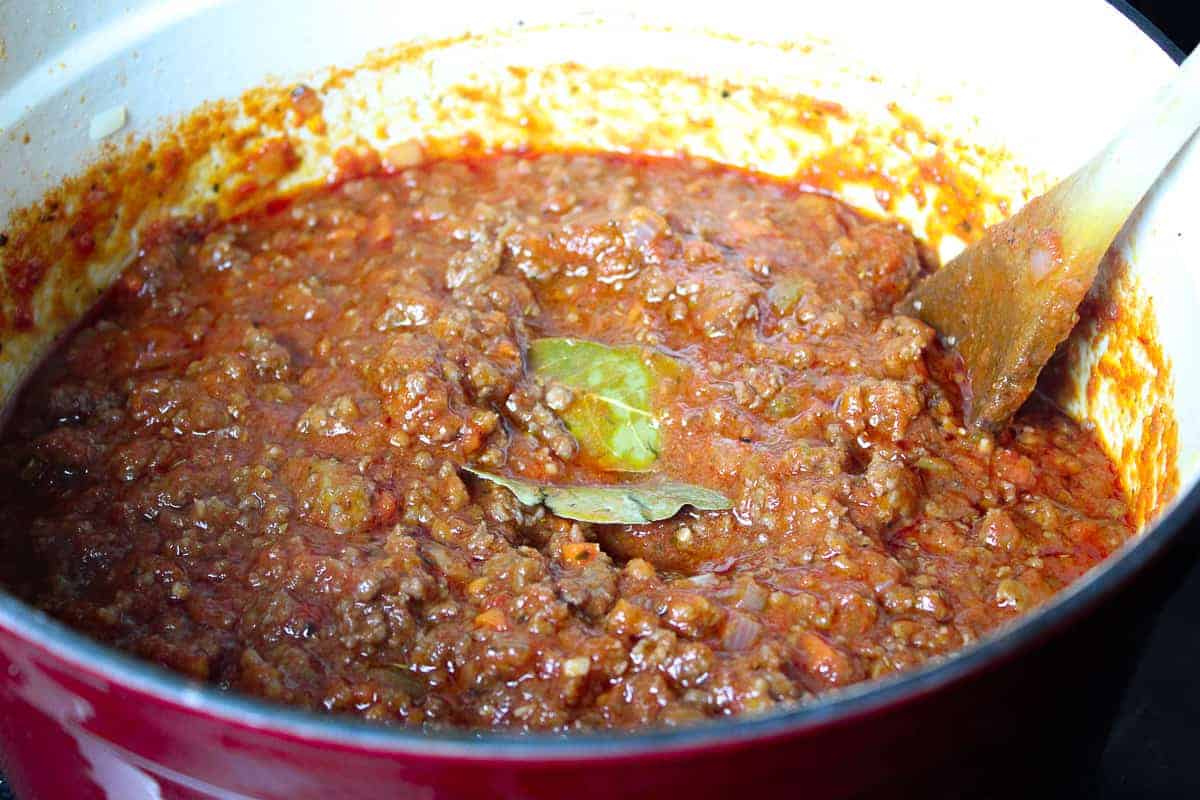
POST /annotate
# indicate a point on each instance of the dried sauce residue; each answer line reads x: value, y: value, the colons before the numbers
x: 1114, y: 368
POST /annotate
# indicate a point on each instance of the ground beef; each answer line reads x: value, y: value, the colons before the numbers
x: 247, y: 467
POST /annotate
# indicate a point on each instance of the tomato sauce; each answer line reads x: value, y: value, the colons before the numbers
x: 249, y: 465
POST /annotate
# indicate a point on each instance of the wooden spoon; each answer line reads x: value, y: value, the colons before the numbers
x: 1009, y: 300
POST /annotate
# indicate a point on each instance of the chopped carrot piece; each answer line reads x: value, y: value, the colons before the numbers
x: 492, y: 618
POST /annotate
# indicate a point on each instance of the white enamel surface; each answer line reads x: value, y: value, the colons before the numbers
x: 67, y: 61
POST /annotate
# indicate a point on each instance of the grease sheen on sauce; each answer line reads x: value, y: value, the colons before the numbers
x: 247, y: 466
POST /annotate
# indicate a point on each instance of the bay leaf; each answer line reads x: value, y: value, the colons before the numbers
x: 612, y: 415
x: 631, y: 504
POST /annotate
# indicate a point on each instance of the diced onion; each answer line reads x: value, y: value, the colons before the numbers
x: 740, y: 631
x: 576, y: 667
x: 754, y: 596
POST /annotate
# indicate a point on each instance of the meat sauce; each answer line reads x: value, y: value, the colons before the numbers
x: 248, y: 465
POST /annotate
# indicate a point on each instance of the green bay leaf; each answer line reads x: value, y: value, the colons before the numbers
x: 612, y: 415
x: 630, y: 504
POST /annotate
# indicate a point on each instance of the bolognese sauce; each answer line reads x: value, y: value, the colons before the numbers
x: 263, y: 461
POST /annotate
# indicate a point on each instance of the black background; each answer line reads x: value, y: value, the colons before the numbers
x: 1178, y: 19
x: 1153, y: 750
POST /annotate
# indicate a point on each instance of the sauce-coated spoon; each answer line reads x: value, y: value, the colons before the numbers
x: 1011, y: 298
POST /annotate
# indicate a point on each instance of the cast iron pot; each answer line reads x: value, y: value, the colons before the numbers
x: 1024, y: 708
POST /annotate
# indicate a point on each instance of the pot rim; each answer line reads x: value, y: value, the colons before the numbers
x: 873, y: 697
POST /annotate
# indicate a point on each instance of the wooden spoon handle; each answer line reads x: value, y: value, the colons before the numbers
x: 1098, y: 198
